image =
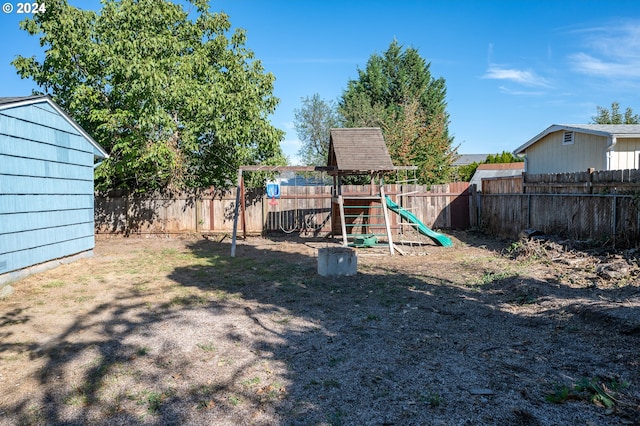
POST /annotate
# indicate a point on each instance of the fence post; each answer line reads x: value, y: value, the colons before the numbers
x: 474, y: 211
x: 197, y: 203
x: 235, y: 215
x: 528, y: 210
x: 127, y: 206
x: 265, y: 213
x: 614, y: 218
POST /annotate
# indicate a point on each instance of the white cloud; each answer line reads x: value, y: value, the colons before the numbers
x: 526, y: 78
x: 588, y: 64
x: 611, y: 51
x: 509, y: 91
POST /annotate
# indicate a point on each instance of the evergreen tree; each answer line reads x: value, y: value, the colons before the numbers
x: 397, y: 93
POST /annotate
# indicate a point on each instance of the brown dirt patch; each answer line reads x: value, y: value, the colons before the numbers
x: 174, y: 331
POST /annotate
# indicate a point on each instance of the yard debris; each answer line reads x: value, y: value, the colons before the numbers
x: 591, y: 263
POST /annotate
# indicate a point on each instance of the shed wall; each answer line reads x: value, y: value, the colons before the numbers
x: 550, y: 155
x: 46, y: 187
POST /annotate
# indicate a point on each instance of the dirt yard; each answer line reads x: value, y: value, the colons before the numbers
x: 175, y: 331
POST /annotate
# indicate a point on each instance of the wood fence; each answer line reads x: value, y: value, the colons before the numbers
x: 600, y: 205
x: 300, y: 209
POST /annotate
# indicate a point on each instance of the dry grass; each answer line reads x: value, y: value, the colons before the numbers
x: 168, y: 331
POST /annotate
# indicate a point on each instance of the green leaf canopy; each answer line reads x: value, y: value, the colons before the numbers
x: 176, y: 101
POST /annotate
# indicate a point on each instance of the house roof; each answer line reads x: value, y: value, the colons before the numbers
x: 487, y: 171
x: 607, y: 130
x: 17, y: 101
x: 358, y: 150
x: 465, y: 159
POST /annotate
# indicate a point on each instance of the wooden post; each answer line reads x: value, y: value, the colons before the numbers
x: 212, y: 225
x: 235, y: 215
x: 383, y: 200
x: 242, y: 205
x: 343, y: 224
x: 265, y: 213
x: 473, y: 206
x: 198, y: 204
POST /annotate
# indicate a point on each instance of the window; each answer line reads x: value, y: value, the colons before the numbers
x: 568, y: 138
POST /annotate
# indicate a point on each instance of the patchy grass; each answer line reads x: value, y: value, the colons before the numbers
x: 162, y: 331
x: 54, y: 284
x: 207, y: 347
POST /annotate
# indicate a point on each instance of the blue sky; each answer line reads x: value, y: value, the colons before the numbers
x: 512, y: 68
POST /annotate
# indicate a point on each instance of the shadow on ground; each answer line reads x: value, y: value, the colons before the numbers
x: 262, y: 339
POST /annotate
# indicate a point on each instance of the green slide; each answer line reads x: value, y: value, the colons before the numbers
x: 439, y: 239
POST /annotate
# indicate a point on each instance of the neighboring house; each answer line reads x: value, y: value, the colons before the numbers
x: 46, y: 186
x: 563, y: 148
x: 496, y: 170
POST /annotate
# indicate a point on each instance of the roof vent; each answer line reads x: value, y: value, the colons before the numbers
x: 568, y: 138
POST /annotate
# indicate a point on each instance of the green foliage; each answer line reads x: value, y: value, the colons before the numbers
x: 397, y: 93
x: 465, y: 173
x: 613, y: 116
x: 313, y: 121
x: 503, y: 157
x: 175, y: 101
x: 595, y: 390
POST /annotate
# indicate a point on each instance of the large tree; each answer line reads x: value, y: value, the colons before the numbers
x: 313, y: 121
x: 397, y: 93
x: 614, y: 116
x: 175, y: 99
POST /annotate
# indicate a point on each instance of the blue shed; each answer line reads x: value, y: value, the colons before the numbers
x: 46, y: 186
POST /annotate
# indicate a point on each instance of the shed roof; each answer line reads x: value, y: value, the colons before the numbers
x: 17, y: 101
x: 607, y: 130
x: 358, y: 150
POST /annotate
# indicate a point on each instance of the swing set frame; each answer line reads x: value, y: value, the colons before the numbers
x: 239, y: 208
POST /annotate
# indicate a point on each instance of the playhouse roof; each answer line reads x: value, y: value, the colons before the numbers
x: 358, y: 150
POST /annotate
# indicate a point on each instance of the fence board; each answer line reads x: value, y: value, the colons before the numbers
x: 305, y: 209
x: 579, y: 216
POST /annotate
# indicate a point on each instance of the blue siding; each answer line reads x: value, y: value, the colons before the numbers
x: 46, y: 187
x: 36, y: 255
x: 42, y: 114
x: 43, y: 203
x: 44, y: 143
x: 34, y: 185
x: 22, y: 222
